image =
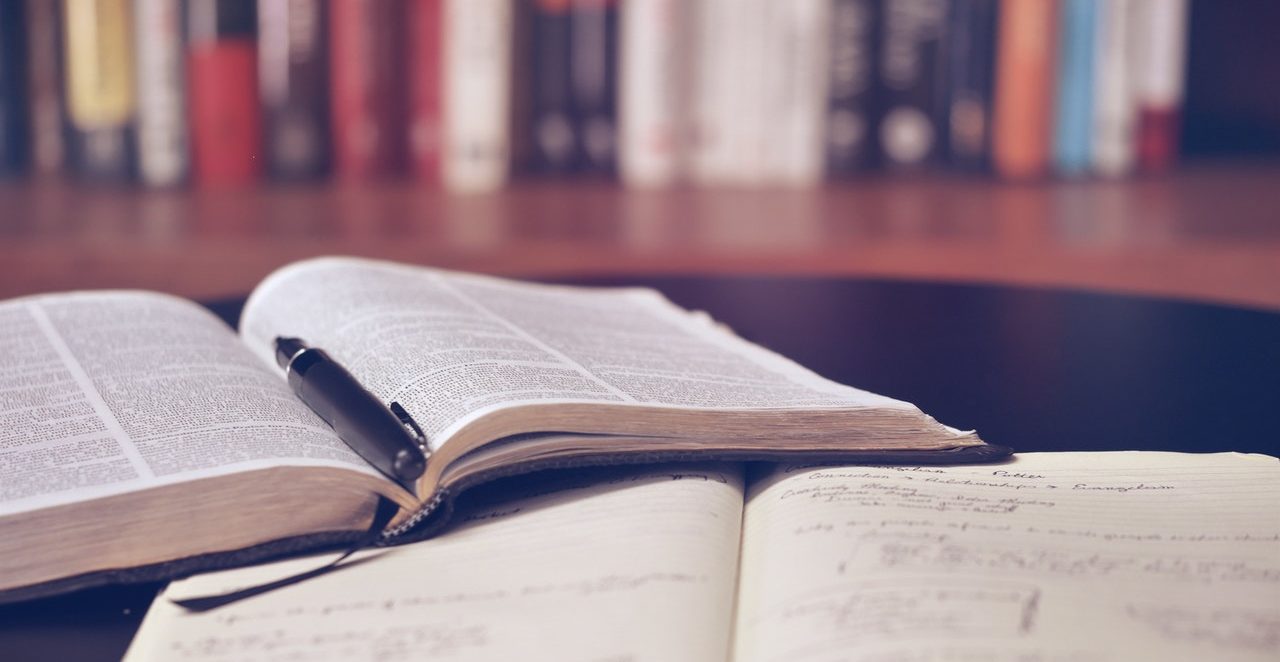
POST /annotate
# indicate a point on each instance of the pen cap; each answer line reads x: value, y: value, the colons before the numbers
x: 286, y: 349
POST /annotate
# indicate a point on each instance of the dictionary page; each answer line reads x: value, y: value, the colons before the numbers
x: 635, y: 566
x: 1054, y: 556
x: 109, y: 392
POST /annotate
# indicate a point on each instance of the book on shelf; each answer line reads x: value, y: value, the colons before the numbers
x: 653, y: 92
x: 368, y: 97
x: 1115, y: 109
x: 970, y: 53
x: 426, y: 65
x: 160, y: 60
x: 1073, y: 108
x: 1023, y: 110
x: 44, y: 76
x: 97, y: 39
x: 13, y: 92
x: 162, y: 442
x: 1161, y: 54
x: 1053, y: 556
x: 226, y: 123
x: 293, y: 82
x: 847, y: 131
x: 911, y: 82
x: 479, y: 76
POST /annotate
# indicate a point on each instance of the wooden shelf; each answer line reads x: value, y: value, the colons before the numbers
x: 1207, y: 232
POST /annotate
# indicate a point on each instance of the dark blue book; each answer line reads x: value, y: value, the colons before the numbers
x: 970, y: 61
x: 13, y: 122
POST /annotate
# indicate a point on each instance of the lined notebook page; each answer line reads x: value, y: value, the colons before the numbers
x: 1064, y: 556
x: 641, y: 567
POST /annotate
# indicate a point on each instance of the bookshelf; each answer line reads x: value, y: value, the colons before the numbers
x: 1205, y: 232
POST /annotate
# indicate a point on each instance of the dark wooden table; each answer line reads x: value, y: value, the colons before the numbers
x: 1035, y: 370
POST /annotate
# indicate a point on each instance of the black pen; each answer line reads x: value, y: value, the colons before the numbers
x: 385, y: 437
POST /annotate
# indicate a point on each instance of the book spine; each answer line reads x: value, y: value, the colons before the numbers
x: 1025, y: 53
x: 711, y: 103
x: 1161, y: 71
x: 850, y: 71
x: 426, y: 64
x: 593, y: 82
x: 970, y: 56
x: 911, y: 82
x: 555, y: 148
x: 368, y: 100
x: 45, y: 111
x: 651, y: 91
x: 13, y: 122
x: 747, y: 50
x: 477, y: 93
x: 226, y: 131
x: 293, y: 82
x: 795, y: 91
x: 1073, y: 124
x: 162, y: 124
x: 1115, y: 111
x: 99, y: 87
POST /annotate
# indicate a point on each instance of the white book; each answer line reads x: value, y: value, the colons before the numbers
x: 163, y: 155
x: 652, y: 90
x: 1115, y: 111
x: 477, y: 95
x: 794, y: 93
x: 1161, y: 53
x: 712, y: 104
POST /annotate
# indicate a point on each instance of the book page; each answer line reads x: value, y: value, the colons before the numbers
x: 103, y: 393
x: 448, y: 345
x: 1054, y: 556
x: 639, y: 566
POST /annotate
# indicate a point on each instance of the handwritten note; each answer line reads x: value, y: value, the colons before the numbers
x: 1073, y: 556
x: 635, y: 568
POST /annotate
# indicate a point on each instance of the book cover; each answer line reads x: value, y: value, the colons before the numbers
x: 1025, y: 53
x: 850, y: 75
x: 653, y: 90
x: 162, y: 118
x: 99, y: 87
x: 555, y: 148
x: 593, y: 82
x: 910, y: 82
x: 477, y: 96
x: 368, y: 96
x: 970, y: 63
x: 1161, y: 71
x: 13, y: 122
x: 226, y: 129
x: 426, y: 62
x: 293, y: 80
x: 1073, y: 120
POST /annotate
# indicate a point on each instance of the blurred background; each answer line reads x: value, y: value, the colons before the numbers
x: 193, y: 146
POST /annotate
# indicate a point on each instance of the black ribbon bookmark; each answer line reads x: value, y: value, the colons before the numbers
x: 386, y: 510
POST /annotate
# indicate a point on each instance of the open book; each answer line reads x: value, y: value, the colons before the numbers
x: 140, y: 438
x: 1053, y: 557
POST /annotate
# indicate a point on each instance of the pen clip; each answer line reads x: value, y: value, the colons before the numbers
x: 412, y: 426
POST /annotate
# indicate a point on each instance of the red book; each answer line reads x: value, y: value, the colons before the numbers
x: 426, y: 63
x: 367, y: 100
x: 226, y: 131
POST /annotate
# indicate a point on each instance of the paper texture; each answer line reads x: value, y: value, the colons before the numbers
x: 102, y: 393
x: 450, y: 345
x: 1055, y: 556
x: 637, y: 567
